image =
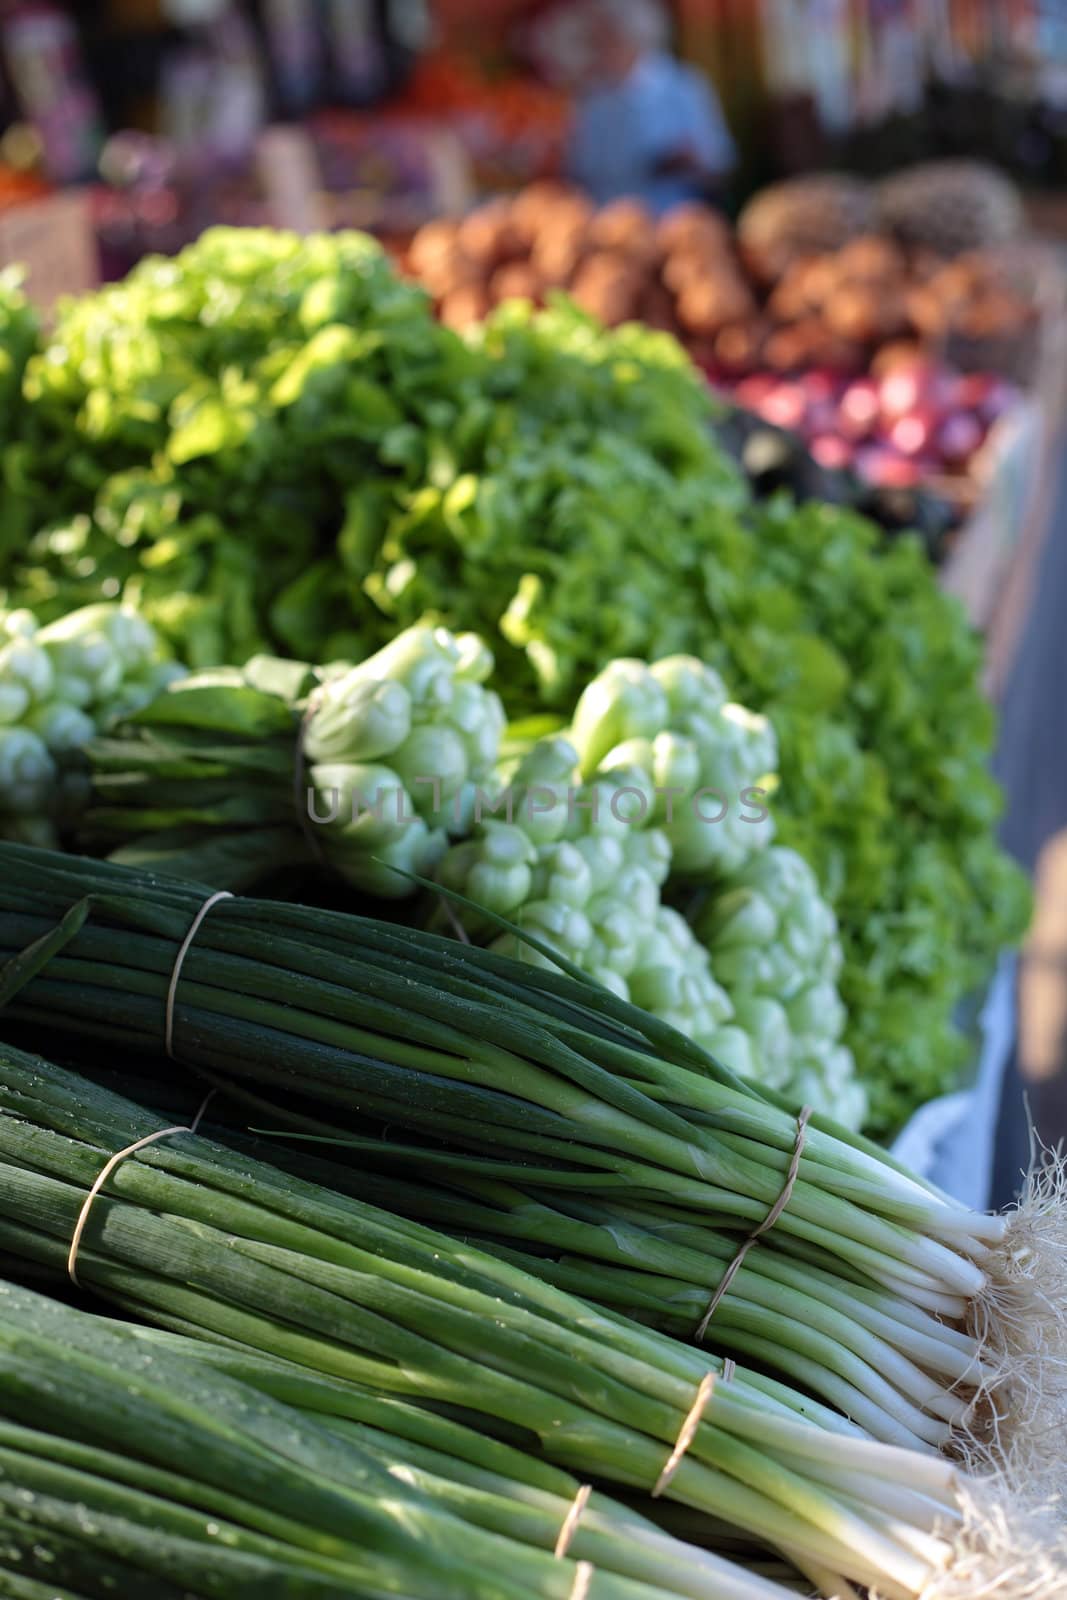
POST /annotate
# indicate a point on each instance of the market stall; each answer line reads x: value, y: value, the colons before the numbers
x: 506, y: 950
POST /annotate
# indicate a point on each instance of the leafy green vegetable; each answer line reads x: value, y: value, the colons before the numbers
x: 364, y: 769
x: 773, y: 943
x: 58, y: 686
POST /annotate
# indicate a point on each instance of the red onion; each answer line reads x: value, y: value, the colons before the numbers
x: 820, y: 384
x: 913, y: 433
x: 907, y: 389
x: 958, y: 437
x: 751, y: 392
x: 784, y: 407
x: 831, y: 451
x: 986, y: 394
x: 859, y: 409
x: 820, y: 418
x: 886, y: 469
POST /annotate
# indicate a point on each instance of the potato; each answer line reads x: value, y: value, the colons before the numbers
x: 739, y: 345
x: 606, y: 288
x: 926, y: 311
x: 689, y: 266
x: 706, y: 304
x: 866, y: 314
x: 463, y: 307
x: 627, y: 226
x: 656, y: 308
x: 432, y: 241
x: 515, y: 281
x: 958, y: 281
x: 694, y: 227
x: 489, y: 237
x: 900, y: 353
x: 790, y: 299
x: 540, y: 202
x: 451, y: 269
x: 819, y: 275
x: 870, y: 259
x: 558, y: 251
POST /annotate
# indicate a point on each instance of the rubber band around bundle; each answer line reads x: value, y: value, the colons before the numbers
x: 765, y: 1226
x: 179, y: 962
x: 571, y: 1521
x: 101, y: 1178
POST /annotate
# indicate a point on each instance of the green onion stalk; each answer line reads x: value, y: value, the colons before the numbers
x: 828, y: 1337
x: 129, y: 1462
x: 555, y: 1087
x: 212, y: 1243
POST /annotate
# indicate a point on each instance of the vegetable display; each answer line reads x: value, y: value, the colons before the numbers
x: 913, y: 422
x: 268, y: 442
x: 214, y: 1243
x: 344, y: 1018
x: 19, y: 338
x: 813, y: 277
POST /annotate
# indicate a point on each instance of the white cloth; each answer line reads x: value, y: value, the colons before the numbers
x: 951, y: 1140
x: 623, y: 131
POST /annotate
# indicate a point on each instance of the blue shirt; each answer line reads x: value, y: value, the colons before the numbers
x: 623, y: 130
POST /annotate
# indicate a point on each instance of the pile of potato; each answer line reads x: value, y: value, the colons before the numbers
x: 680, y: 274
x: 687, y: 274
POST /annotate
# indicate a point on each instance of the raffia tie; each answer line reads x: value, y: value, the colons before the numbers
x: 693, y: 1418
x: 584, y: 1573
x: 571, y: 1521
x: 179, y: 961
x: 161, y: 1133
x: 115, y: 1161
x: 765, y: 1226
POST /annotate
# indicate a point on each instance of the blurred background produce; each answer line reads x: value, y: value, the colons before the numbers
x: 883, y: 351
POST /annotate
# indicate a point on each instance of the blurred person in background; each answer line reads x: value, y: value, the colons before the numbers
x: 646, y: 125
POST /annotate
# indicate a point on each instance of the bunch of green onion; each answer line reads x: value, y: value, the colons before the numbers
x: 564, y: 1092
x: 828, y: 1337
x: 139, y: 1467
x: 488, y: 1481
x: 212, y: 1243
